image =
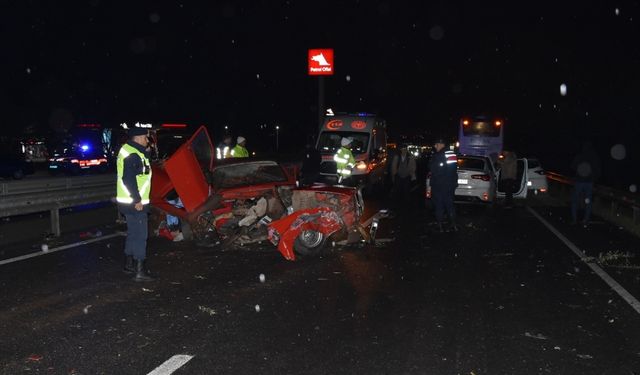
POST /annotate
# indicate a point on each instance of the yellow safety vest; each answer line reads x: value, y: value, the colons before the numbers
x: 143, y: 180
x: 239, y: 152
x: 344, y: 161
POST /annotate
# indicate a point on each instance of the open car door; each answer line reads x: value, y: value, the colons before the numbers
x: 520, y: 190
x: 185, y: 173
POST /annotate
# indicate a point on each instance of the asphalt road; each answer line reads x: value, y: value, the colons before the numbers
x: 504, y: 295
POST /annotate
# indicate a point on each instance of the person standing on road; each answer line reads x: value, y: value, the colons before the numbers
x: 344, y: 160
x: 240, y: 151
x: 444, y: 181
x: 587, y: 168
x: 223, y: 150
x: 403, y: 172
x: 133, y: 188
x: 508, y: 174
x: 310, y: 165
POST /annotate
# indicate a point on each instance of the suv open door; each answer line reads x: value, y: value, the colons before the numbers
x: 520, y: 190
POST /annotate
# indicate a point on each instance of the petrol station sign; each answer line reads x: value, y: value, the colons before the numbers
x: 321, y: 62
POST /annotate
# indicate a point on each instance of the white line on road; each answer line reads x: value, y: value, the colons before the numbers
x: 60, y: 248
x: 171, y: 364
x: 622, y: 292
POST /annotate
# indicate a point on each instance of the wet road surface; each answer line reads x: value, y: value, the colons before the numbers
x: 502, y: 296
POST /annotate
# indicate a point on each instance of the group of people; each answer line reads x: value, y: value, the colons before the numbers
x: 225, y: 150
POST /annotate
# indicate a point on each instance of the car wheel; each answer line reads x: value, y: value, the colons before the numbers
x: 18, y: 174
x: 309, y: 243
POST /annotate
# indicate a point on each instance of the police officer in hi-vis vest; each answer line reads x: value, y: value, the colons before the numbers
x: 133, y: 188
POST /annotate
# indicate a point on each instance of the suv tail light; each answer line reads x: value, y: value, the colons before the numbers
x: 483, y: 177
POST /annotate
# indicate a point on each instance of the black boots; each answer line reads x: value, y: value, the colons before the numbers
x: 128, y: 265
x: 141, y: 273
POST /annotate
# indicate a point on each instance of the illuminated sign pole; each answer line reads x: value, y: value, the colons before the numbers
x: 320, y: 63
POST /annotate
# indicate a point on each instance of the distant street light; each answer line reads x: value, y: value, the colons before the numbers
x: 277, y: 138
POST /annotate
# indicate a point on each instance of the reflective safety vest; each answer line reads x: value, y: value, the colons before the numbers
x: 239, y: 152
x: 344, y: 161
x: 451, y: 158
x: 223, y: 152
x: 143, y: 180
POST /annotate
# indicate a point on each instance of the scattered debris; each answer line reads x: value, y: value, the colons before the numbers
x: 537, y: 336
x: 200, y: 277
x: 147, y: 290
x: 584, y: 356
x: 322, y: 279
x: 86, y: 309
x: 34, y: 358
x: 207, y: 310
x: 556, y: 347
x: 616, y: 259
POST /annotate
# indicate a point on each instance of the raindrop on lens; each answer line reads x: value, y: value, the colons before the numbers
x: 348, y: 78
x: 257, y: 308
x: 618, y: 152
x: 436, y: 32
x: 633, y: 188
x: 563, y: 89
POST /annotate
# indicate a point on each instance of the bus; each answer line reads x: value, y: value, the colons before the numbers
x: 481, y: 136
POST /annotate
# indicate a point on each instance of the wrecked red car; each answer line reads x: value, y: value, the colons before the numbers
x: 246, y: 200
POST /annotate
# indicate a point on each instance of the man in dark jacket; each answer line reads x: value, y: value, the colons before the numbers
x: 587, y: 168
x: 444, y: 181
x: 310, y: 165
x: 508, y: 174
x: 133, y: 188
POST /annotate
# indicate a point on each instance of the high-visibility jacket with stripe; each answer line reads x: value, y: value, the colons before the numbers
x: 143, y: 180
x: 223, y: 151
x: 239, y: 152
x: 344, y: 161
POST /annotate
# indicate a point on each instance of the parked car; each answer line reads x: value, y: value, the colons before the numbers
x: 14, y: 167
x: 476, y: 179
x: 76, y: 161
x: 248, y: 200
x: 537, y: 177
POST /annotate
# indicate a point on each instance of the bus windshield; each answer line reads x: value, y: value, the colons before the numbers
x: 481, y: 128
x: 329, y: 142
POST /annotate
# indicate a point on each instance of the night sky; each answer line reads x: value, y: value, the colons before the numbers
x: 421, y: 65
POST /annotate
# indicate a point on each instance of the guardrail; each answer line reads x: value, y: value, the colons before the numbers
x: 616, y: 198
x: 33, y: 196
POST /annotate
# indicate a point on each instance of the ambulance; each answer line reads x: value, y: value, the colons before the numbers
x: 368, y: 134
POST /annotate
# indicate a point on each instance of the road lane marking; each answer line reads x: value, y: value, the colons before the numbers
x: 171, y: 364
x: 60, y: 248
x: 622, y: 292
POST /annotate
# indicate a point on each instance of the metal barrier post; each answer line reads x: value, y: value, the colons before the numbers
x: 55, y: 221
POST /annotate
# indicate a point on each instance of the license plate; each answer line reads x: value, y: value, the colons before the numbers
x: 53, y: 166
x: 462, y: 181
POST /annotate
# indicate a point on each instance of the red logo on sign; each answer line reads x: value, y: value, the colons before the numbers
x: 334, y: 124
x: 320, y: 62
x: 358, y: 124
